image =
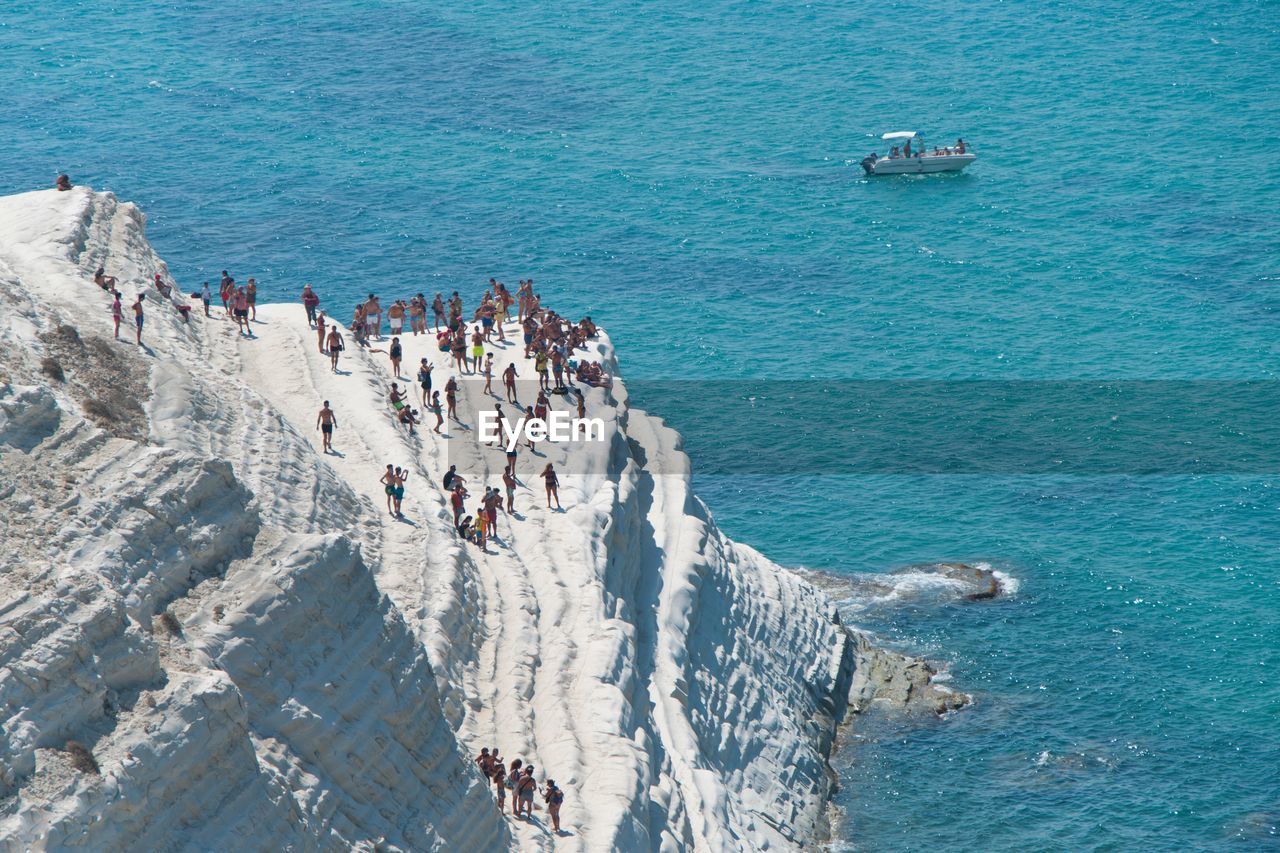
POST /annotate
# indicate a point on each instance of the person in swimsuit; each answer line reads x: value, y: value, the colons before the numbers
x: 499, y: 779
x: 451, y: 396
x: 513, y: 776
x: 482, y: 529
x: 106, y: 282
x: 485, y: 762
x: 417, y: 313
x: 509, y: 480
x: 242, y: 311
x: 553, y: 485
x: 409, y: 417
x: 437, y: 410
x: 395, y: 397
x: 582, y: 403
x: 206, y: 297
x: 458, y: 346
x: 116, y: 311
x: 528, y: 416
x: 373, y: 317
x: 137, y: 316
x: 389, y: 485
x: 437, y: 309
x: 397, y: 491
x: 336, y: 346
x: 492, y: 501
x: 477, y: 349
x: 396, y: 352
x: 424, y: 381
x: 488, y: 374
x: 509, y: 380
x: 251, y: 292
x: 226, y: 290
x: 63, y: 183
x: 320, y: 335
x: 530, y: 329
x: 456, y: 499
x: 540, y: 367
x: 525, y: 789
x: 325, y: 422
x: 395, y: 317
x: 553, y: 797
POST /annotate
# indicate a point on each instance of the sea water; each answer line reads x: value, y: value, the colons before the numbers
x: 686, y: 172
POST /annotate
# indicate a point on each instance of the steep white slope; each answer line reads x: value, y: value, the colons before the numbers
x: 682, y: 689
x: 237, y: 686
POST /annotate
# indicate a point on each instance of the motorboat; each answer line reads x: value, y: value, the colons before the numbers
x: 908, y: 155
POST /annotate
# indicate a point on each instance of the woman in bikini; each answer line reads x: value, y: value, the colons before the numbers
x: 553, y: 485
x: 395, y: 352
x: 451, y: 397
x: 424, y: 381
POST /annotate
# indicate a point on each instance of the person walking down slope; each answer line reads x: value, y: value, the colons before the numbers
x: 137, y: 316
x: 552, y: 483
x: 325, y: 422
x: 553, y: 797
x: 499, y: 779
x: 336, y: 346
x: 525, y: 789
x: 513, y: 776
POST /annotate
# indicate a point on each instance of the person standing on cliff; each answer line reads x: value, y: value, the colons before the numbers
x: 336, y: 346
x: 310, y: 301
x: 553, y: 797
x: 251, y: 294
x: 326, y: 421
x: 552, y: 484
x: 320, y: 336
x: 137, y: 316
x: 206, y: 297
x: 509, y: 380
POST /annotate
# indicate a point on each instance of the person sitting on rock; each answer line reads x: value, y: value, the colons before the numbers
x: 63, y: 183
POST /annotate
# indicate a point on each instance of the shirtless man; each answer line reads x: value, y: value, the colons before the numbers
x: 509, y: 380
x: 137, y: 316
x: 106, y: 282
x: 326, y: 421
x: 389, y: 486
x: 395, y: 397
x: 437, y: 309
x: 488, y: 374
x: 417, y: 314
x: 395, y: 317
x: 242, y: 311
x: 226, y: 290
x: 373, y: 317
x: 251, y: 291
x: 509, y: 480
x: 335, y: 346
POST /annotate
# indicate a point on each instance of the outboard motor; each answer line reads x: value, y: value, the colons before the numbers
x: 869, y: 162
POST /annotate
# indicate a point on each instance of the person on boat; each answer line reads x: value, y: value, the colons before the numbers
x: 959, y: 146
x: 894, y: 153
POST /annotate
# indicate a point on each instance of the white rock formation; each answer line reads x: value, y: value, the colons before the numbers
x: 254, y: 655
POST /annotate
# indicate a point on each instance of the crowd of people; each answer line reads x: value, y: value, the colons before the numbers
x: 519, y: 782
x: 549, y: 340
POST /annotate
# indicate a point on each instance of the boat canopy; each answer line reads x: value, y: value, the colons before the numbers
x: 900, y: 134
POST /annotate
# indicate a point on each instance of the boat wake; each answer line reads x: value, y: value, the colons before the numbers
x: 917, y: 585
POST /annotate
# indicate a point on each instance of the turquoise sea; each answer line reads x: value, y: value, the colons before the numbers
x: 686, y: 173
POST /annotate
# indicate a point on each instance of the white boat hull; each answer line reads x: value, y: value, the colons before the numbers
x: 924, y: 165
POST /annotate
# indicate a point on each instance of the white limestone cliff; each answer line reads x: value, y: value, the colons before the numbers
x: 213, y: 636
